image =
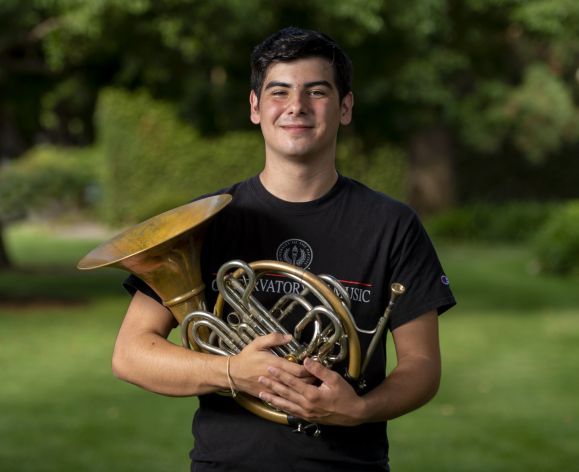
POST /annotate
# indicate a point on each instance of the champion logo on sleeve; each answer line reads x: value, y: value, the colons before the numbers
x: 444, y: 280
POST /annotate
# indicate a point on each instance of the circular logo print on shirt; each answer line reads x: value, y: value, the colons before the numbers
x: 296, y: 252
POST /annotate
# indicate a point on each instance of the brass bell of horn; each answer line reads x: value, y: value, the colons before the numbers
x: 164, y: 251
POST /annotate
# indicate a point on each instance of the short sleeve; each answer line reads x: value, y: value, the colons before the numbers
x: 417, y: 266
x: 133, y: 283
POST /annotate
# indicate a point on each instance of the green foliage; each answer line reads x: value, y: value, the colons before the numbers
x: 549, y: 18
x: 556, y: 245
x: 14, y: 192
x: 538, y: 116
x: 500, y: 75
x: 362, y: 14
x: 155, y: 162
x: 384, y: 169
x: 542, y: 113
x: 510, y: 222
x: 196, y: 52
x: 47, y: 179
x: 426, y: 19
x: 484, y: 117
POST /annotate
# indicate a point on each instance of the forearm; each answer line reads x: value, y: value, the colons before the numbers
x: 416, y: 377
x: 143, y: 356
x: 155, y: 364
x: 408, y: 387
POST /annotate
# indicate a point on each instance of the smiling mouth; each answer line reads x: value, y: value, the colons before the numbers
x: 296, y: 127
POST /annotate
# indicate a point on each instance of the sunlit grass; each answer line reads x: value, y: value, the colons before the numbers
x: 508, y: 400
x: 52, y: 244
x: 63, y: 410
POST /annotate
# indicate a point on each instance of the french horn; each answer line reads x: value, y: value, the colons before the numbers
x: 165, y: 250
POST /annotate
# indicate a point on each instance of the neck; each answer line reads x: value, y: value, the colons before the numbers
x: 293, y: 182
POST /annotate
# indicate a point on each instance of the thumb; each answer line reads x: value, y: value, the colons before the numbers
x: 262, y: 343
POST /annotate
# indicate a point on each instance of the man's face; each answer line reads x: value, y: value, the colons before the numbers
x: 299, y: 109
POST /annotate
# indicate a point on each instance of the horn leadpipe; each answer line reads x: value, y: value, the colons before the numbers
x: 396, y: 290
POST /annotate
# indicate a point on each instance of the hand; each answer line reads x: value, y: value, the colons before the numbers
x: 252, y: 362
x: 332, y: 401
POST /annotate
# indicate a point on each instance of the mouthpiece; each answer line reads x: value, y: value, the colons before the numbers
x: 397, y: 289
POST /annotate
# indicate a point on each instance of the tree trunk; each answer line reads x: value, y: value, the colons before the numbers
x: 5, y: 262
x: 431, y: 176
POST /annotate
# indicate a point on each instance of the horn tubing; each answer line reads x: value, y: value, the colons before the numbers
x: 325, y: 293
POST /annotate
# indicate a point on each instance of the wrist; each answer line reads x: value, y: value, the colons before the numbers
x: 232, y: 387
x: 360, y: 413
x: 216, y: 373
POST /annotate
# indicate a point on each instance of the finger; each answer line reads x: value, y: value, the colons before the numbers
x: 319, y: 371
x: 309, y: 379
x: 288, y: 380
x: 282, y: 404
x: 294, y: 369
x: 262, y: 343
x: 289, y: 401
x: 284, y: 398
x: 272, y: 386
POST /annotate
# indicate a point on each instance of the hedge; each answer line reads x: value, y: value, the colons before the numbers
x: 48, y: 179
x: 556, y: 244
x: 509, y: 222
x: 154, y: 161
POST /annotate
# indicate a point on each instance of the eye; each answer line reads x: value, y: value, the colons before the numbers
x: 278, y: 92
x: 316, y: 93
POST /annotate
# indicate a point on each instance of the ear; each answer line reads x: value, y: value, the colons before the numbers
x: 254, y: 114
x: 346, y: 109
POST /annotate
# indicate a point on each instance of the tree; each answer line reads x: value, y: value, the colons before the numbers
x: 440, y: 78
x: 56, y: 56
x: 476, y: 77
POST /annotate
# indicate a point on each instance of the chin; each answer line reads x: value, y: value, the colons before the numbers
x: 298, y: 155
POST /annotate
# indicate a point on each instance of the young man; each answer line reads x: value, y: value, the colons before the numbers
x: 300, y: 210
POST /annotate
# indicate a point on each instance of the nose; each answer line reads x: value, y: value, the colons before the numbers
x: 297, y: 104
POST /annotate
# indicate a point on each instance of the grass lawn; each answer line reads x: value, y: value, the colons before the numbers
x: 508, y: 402
x: 61, y: 408
x: 509, y: 399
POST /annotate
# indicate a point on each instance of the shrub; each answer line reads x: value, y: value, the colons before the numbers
x: 155, y: 162
x: 556, y: 245
x: 383, y: 169
x: 47, y: 178
x: 506, y: 222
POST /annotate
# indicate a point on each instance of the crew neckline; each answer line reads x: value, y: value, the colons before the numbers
x: 268, y: 199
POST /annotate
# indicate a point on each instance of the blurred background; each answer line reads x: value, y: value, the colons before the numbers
x: 112, y: 111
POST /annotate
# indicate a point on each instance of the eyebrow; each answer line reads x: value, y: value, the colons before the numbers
x: 316, y: 83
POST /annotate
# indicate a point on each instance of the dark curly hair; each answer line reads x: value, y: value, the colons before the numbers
x: 290, y: 44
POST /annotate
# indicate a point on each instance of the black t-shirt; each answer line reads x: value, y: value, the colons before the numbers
x: 364, y: 239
